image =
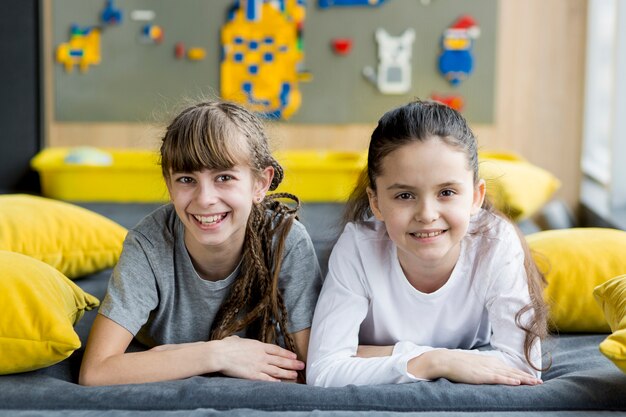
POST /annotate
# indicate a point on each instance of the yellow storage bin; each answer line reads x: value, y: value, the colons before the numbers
x: 135, y: 176
x: 320, y: 176
x: 132, y: 176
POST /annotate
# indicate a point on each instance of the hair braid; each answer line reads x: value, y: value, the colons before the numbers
x: 242, y: 290
x: 255, y: 302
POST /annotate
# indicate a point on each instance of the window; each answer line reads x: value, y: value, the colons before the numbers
x: 603, y: 159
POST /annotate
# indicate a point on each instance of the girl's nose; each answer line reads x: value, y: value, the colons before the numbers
x: 426, y: 212
x: 206, y: 194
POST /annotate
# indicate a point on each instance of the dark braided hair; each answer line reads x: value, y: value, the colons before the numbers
x: 220, y: 135
x: 257, y: 287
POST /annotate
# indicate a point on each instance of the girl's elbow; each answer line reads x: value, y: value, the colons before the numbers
x: 86, y: 377
x: 314, y: 375
x: 321, y: 376
x: 89, y: 376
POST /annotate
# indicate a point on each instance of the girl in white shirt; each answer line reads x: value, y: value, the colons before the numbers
x: 426, y: 272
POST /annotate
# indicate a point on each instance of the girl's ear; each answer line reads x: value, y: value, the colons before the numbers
x: 479, y: 195
x: 373, y: 199
x: 262, y: 183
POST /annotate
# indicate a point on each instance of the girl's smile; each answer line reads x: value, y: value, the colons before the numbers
x: 424, y: 235
x: 205, y: 221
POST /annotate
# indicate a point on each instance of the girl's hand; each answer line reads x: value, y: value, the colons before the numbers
x: 369, y: 351
x: 468, y: 368
x: 251, y: 359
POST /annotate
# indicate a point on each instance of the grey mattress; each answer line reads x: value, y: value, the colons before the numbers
x: 580, y: 382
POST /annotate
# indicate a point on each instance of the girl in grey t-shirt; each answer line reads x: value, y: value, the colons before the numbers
x: 223, y: 279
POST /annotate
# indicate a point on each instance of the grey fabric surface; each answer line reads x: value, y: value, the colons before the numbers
x: 580, y: 379
x: 247, y: 412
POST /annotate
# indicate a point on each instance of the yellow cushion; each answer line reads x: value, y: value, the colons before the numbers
x: 39, y: 309
x: 72, y: 239
x: 575, y: 261
x: 516, y: 187
x: 612, y: 298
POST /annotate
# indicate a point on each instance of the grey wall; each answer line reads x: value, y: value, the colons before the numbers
x: 138, y: 81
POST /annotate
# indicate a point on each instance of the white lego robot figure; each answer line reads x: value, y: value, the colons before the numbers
x: 394, y: 66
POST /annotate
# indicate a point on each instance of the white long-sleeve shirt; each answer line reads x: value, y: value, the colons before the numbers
x: 367, y: 300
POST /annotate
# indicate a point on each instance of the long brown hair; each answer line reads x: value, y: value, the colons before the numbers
x: 421, y: 121
x: 220, y: 135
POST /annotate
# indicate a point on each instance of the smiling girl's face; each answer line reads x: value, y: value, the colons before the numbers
x: 426, y: 195
x: 214, y: 205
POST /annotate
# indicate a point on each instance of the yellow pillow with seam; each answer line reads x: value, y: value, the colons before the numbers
x: 611, y: 296
x: 72, y: 239
x: 40, y: 306
x: 515, y: 186
x: 574, y: 262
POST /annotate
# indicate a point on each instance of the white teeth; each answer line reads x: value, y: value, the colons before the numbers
x: 209, y: 219
x: 431, y: 234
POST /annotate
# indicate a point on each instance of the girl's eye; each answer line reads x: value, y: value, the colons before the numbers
x: 447, y: 193
x: 404, y: 196
x: 184, y: 180
x: 224, y: 178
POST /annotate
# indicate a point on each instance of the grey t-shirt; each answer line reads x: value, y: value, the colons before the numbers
x: 156, y: 294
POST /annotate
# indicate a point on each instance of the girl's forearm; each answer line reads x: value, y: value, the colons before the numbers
x: 467, y: 367
x: 373, y: 351
x: 160, y: 364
